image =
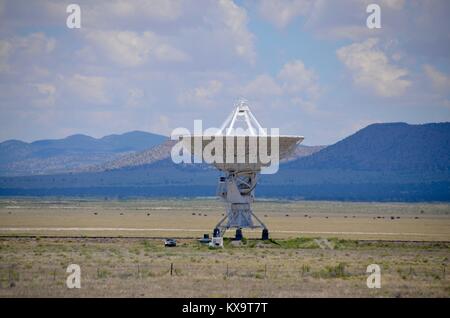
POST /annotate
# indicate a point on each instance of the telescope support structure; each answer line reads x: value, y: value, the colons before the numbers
x: 236, y: 189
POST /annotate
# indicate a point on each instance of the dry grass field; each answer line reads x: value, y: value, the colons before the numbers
x: 297, y: 268
x: 114, y: 243
x: 192, y: 218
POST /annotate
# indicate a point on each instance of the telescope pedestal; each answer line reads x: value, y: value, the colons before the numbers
x: 236, y: 189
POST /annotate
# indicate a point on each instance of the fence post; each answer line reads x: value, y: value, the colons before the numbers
x: 227, y: 271
x: 11, y: 276
x: 171, y: 269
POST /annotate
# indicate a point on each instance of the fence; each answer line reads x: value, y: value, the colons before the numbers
x: 13, y: 274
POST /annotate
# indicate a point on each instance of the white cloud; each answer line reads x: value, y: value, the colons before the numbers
x: 202, y: 95
x: 297, y: 78
x: 371, y: 68
x: 220, y: 29
x: 128, y: 48
x: 295, y: 86
x: 282, y: 12
x: 28, y: 48
x: 331, y: 17
x: 306, y: 106
x: 420, y: 27
x: 34, y: 44
x: 167, y: 10
x: 262, y: 85
x: 235, y: 19
x: 392, y: 4
x: 91, y: 89
x: 107, y: 13
x: 149, y: 60
x: 210, y: 90
x: 99, y: 14
x: 440, y: 81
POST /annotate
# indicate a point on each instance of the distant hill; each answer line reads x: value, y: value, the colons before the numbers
x: 162, y: 152
x: 145, y: 157
x: 382, y: 162
x: 71, y: 153
x: 386, y: 147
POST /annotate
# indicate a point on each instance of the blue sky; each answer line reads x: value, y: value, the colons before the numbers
x: 307, y: 67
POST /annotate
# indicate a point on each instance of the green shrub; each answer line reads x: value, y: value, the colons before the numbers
x: 337, y: 271
x: 300, y: 242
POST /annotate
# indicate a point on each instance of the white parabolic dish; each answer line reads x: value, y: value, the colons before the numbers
x: 244, y: 149
x: 238, y: 146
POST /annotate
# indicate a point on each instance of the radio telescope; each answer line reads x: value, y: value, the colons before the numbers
x: 237, y: 187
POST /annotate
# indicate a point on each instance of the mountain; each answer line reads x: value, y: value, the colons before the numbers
x: 71, y: 153
x: 81, y: 153
x: 382, y: 162
x: 148, y: 156
x: 162, y: 152
x: 386, y: 147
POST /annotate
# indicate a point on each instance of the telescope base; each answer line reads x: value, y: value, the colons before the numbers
x: 225, y: 224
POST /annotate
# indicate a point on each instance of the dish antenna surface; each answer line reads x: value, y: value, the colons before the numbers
x: 241, y: 136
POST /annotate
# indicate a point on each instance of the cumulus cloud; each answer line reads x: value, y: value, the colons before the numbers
x: 306, y: 106
x: 296, y: 78
x: 91, y: 89
x: 394, y: 4
x: 416, y: 22
x: 201, y: 95
x: 222, y: 24
x: 33, y: 46
x: 326, y: 16
x: 159, y: 10
x: 35, y: 43
x: 282, y: 12
x: 235, y: 19
x: 104, y: 14
x: 152, y: 61
x: 128, y: 48
x: 133, y: 56
x: 439, y: 80
x: 371, y: 68
x: 262, y: 85
x: 294, y: 87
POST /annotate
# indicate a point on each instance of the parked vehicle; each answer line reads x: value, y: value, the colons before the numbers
x: 170, y: 243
